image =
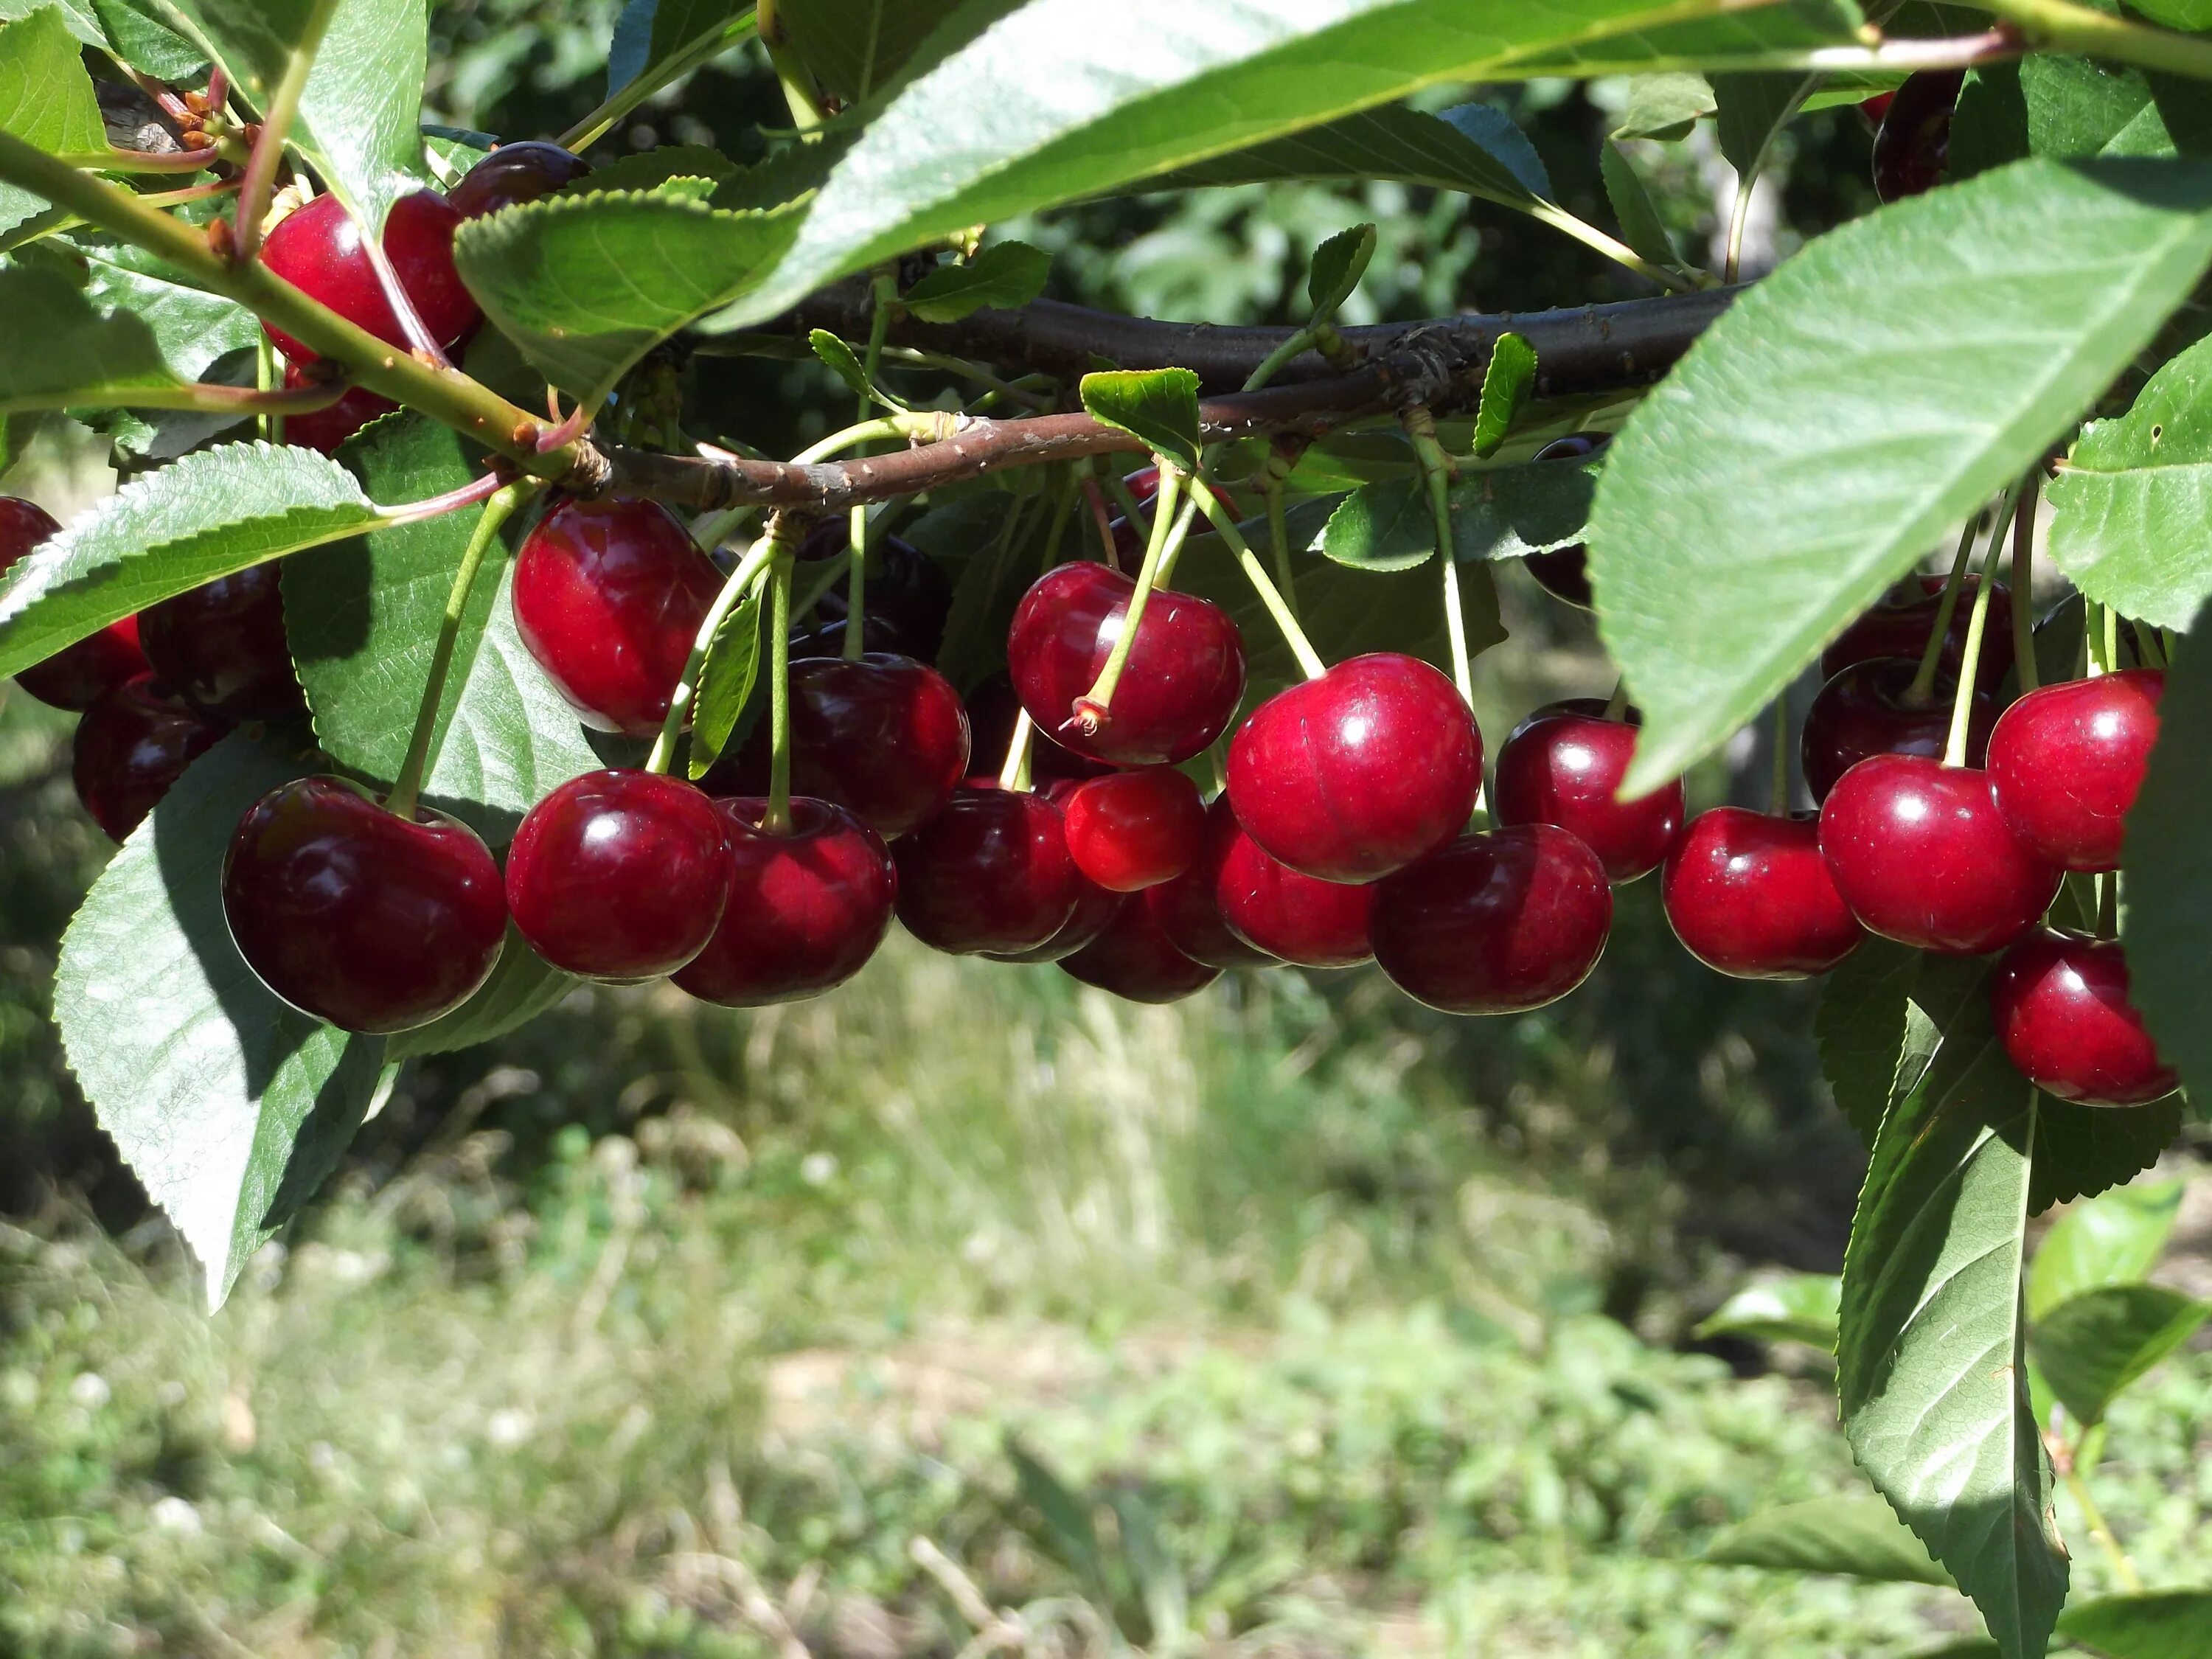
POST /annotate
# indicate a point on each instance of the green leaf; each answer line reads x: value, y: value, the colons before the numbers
x: 1158, y: 407
x: 1751, y: 109
x: 80, y: 22
x: 2164, y: 1624
x: 853, y: 47
x: 1861, y: 1027
x: 1508, y: 381
x: 1474, y: 150
x: 2115, y: 1238
x: 1383, y: 526
x: 191, y: 328
x: 1801, y: 1308
x: 523, y: 986
x: 1003, y: 276
x: 1857, y: 1537
x: 229, y: 1107
x: 726, y: 682
x: 693, y: 170
x: 46, y: 99
x: 845, y: 363
x: 2075, y: 107
x: 2191, y: 16
x: 1665, y: 107
x: 2082, y: 1150
x: 1511, y: 512
x: 651, y: 33
x: 84, y: 356
x: 145, y: 40
x: 1789, y: 469
x: 991, y: 550
x: 1641, y: 226
x: 1337, y: 265
x: 2093, y: 1346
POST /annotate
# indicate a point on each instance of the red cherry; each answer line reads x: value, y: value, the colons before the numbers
x: 608, y: 597
x: 325, y: 429
x: 1095, y: 911
x: 1900, y: 625
x: 132, y: 745
x: 515, y: 173
x: 1913, y: 142
x: 1349, y: 777
x: 1921, y: 854
x: 989, y: 874
x: 992, y: 709
x: 1136, y: 961
x: 619, y: 875
x: 76, y: 676
x: 221, y: 647
x: 1496, y: 923
x: 2066, y: 762
x: 1274, y: 908
x: 1873, y: 109
x: 1180, y: 685
x: 2062, y: 1009
x: 1563, y: 766
x: 1863, y: 712
x: 319, y: 251
x: 1749, y: 894
x: 372, y: 921
x: 1135, y: 829
x: 1565, y: 572
x: 806, y: 910
x: 1189, y: 908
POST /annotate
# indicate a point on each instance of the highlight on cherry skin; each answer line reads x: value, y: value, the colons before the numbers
x: 2067, y: 760
x: 319, y: 250
x: 1564, y: 765
x: 2060, y: 1001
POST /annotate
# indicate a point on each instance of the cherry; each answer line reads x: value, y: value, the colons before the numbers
x: 1134, y: 959
x: 2066, y: 762
x: 1144, y: 484
x: 1563, y: 765
x: 1496, y: 923
x: 608, y: 597
x: 1094, y: 910
x: 1914, y: 140
x: 908, y: 600
x: 356, y: 915
x: 132, y: 745
x: 992, y: 710
x: 221, y: 647
x: 1135, y: 829
x: 989, y: 874
x: 1296, y: 918
x: 1564, y: 573
x: 76, y: 676
x: 514, y: 174
x: 1871, y: 109
x: 318, y: 250
x: 807, y: 908
x: 619, y: 875
x: 1900, y: 625
x: 2061, y: 1003
x: 1189, y: 908
x: 1360, y: 772
x: 1749, y: 894
x: 325, y: 429
x: 1863, y: 712
x: 1180, y: 683
x: 1922, y: 855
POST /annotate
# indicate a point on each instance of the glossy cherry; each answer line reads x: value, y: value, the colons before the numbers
x: 807, y: 908
x: 1565, y: 572
x: 2060, y: 1000
x: 992, y: 710
x: 1180, y: 684
x: 1295, y: 918
x: 325, y: 429
x: 1095, y: 911
x: 515, y: 173
x: 1189, y: 908
x: 132, y: 745
x: 1863, y: 712
x: 1922, y: 855
x: 1358, y: 773
x: 909, y: 599
x: 77, y: 675
x: 319, y: 251
x: 1749, y: 896
x: 1134, y: 959
x: 1900, y: 625
x: 372, y: 921
x: 1913, y: 144
x: 2066, y: 762
x: 1135, y: 829
x: 1496, y: 923
x: 619, y: 875
x: 608, y: 597
x: 1563, y: 766
x: 222, y: 646
x: 989, y: 874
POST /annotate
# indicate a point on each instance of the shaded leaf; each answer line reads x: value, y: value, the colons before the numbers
x: 1860, y: 1026
x: 854, y: 48
x: 2164, y: 1624
x: 1474, y: 150
x: 86, y: 355
x: 2115, y: 1238
x: 1508, y: 380
x: 1750, y: 109
x: 1004, y: 276
x: 1857, y: 1537
x: 2080, y: 1150
x: 1641, y: 226
x: 651, y: 34
x: 1511, y: 512
x: 1157, y: 406
x: 1665, y: 107
x: 727, y: 680
x: 1383, y: 526
x: 1801, y: 1308
x: 694, y: 170
x: 2091, y: 1346
x: 523, y: 986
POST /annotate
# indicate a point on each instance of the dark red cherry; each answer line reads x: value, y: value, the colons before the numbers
x: 2066, y: 762
x: 222, y: 646
x: 1496, y: 923
x: 1564, y: 573
x: 1189, y: 908
x: 325, y: 429
x: 515, y: 173
x: 1295, y: 918
x: 1179, y: 687
x: 619, y: 875
x: 608, y: 597
x: 76, y: 676
x: 1749, y: 894
x: 372, y: 921
x: 319, y: 251
x: 1922, y: 855
x: 1134, y: 959
x: 1863, y: 712
x: 1913, y: 142
x: 2060, y: 1004
x: 1563, y: 765
x: 1095, y: 911
x: 1871, y: 109
x: 1360, y: 772
x: 132, y: 745
x: 988, y: 875
x: 1899, y: 627
x: 807, y: 908
x: 992, y: 709
x: 909, y: 599
x: 1135, y: 829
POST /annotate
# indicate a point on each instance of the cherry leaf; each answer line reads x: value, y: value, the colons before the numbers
x: 1157, y: 406
x: 1003, y: 276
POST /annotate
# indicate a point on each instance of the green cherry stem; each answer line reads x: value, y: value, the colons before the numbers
x: 1436, y: 473
x: 1014, y: 773
x: 696, y: 55
x: 1778, y: 799
x: 1132, y: 511
x: 856, y: 585
x: 1178, y: 538
x: 777, y: 820
x: 2111, y: 639
x: 1962, y: 701
x: 2022, y: 572
x: 883, y: 295
x: 742, y: 582
x: 1922, y: 691
x: 2148, y: 651
x: 1616, y: 706
x: 1278, y: 544
x: 1091, y: 708
x: 1270, y: 596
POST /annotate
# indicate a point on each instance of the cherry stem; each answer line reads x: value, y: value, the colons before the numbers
x: 856, y: 585
x: 283, y: 108
x: 741, y: 582
x: 2122, y: 1568
x: 700, y: 52
x: 1014, y: 773
x: 1616, y: 706
x: 213, y: 398
x: 1778, y: 801
x: 1062, y: 510
x: 1962, y: 701
x: 2022, y: 572
x: 1278, y: 538
x: 777, y: 821
x: 930, y: 425
x: 1748, y: 181
x: 410, y: 320
x: 1093, y: 705
x: 1099, y: 517
x: 2094, y: 659
x: 1132, y: 510
x: 436, y: 506
x: 140, y: 161
x: 2108, y: 905
x: 883, y: 296
x: 1922, y: 691
x: 2148, y: 651
x: 1436, y: 473
x: 267, y: 378
x: 1310, y: 659
x: 2111, y: 639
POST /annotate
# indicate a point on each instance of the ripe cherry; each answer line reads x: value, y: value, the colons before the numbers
x: 2066, y: 762
x: 807, y: 908
x: 619, y: 875
x: 608, y: 597
x: 515, y: 173
x: 1922, y: 855
x: 908, y: 600
x: 1749, y: 894
x: 1189, y: 908
x: 1135, y: 829
x: 1134, y: 959
x: 1296, y: 918
x: 1863, y: 712
x: 76, y: 676
x: 221, y: 647
x: 1564, y: 573
x: 132, y: 745
x: 319, y: 251
x: 1900, y: 625
x: 325, y: 429
x: 1913, y: 142
x: 989, y: 874
x: 1349, y: 777
x: 1562, y: 766
x: 1180, y: 684
x: 1496, y: 923
x: 356, y: 915
x: 992, y: 709
x: 1095, y: 911
x: 2060, y: 1004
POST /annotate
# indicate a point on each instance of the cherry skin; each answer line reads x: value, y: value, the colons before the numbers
x: 515, y: 173
x: 1358, y: 773
x: 319, y: 251
x: 326, y: 429
x: 1496, y: 923
x: 79, y: 675
x: 1562, y: 765
x: 222, y: 646
x: 1863, y: 712
x: 2060, y: 1000
x: 1900, y: 625
x: 1135, y: 829
x: 1913, y: 144
x: 1189, y: 908
x: 132, y: 745
x: 2066, y: 762
x: 1134, y: 959
x: 1922, y: 855
x: 1180, y: 684
x: 1749, y: 896
x: 807, y: 908
x: 992, y: 711
x: 989, y: 874
x: 1095, y: 911
x: 619, y: 875
x: 608, y: 597
x: 1295, y: 918
x: 372, y: 921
